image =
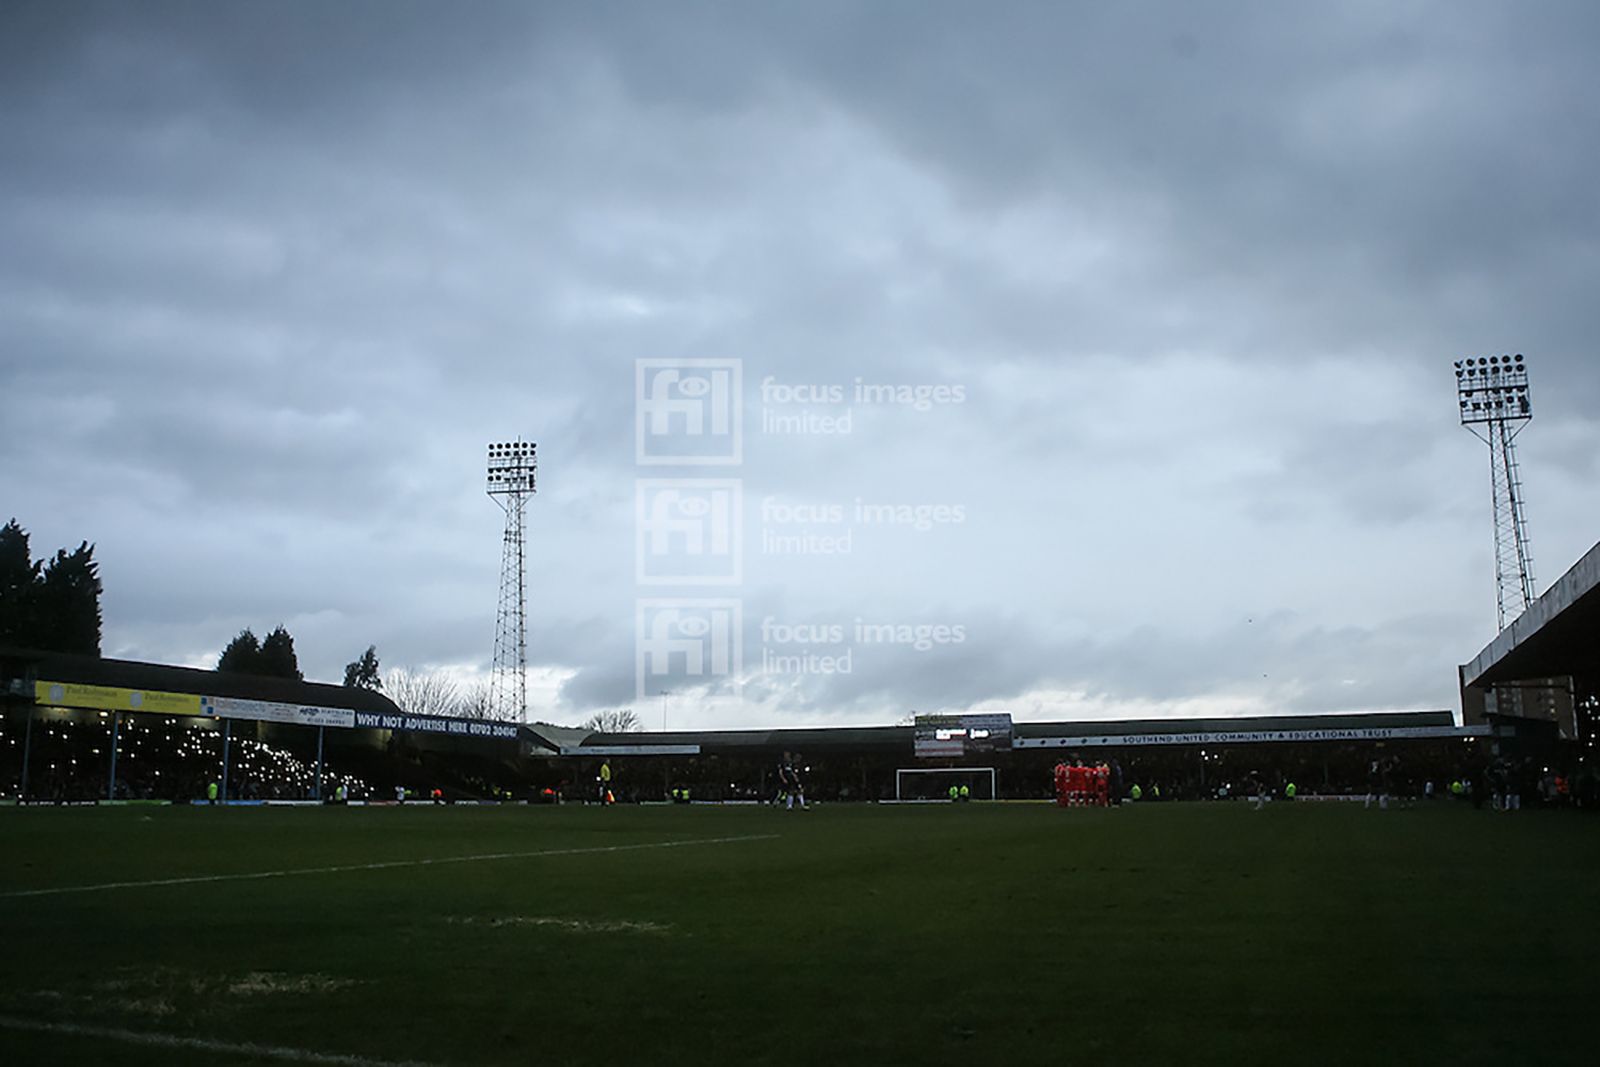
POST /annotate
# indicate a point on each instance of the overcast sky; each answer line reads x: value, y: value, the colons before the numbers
x: 1182, y: 284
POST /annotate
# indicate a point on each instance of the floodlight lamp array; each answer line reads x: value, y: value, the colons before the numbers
x: 511, y: 467
x: 1493, y: 389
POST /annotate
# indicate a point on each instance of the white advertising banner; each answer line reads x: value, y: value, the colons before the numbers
x: 272, y: 711
x: 1229, y: 737
x: 630, y: 750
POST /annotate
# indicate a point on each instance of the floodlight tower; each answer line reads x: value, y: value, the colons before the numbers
x: 1495, y: 406
x: 511, y: 470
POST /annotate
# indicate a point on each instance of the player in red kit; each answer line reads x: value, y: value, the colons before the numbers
x: 1078, y: 783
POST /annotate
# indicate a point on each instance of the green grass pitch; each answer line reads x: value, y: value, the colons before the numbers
x: 1006, y: 933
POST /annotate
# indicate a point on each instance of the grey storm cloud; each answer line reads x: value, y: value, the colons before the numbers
x: 272, y: 275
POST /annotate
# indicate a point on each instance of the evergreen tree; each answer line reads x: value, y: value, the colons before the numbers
x: 68, y: 601
x: 242, y: 656
x: 53, y: 606
x: 272, y: 657
x: 363, y: 673
x: 277, y: 656
x: 19, y: 577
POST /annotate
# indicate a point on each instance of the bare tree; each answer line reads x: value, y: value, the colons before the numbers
x: 422, y: 692
x: 615, y: 721
x: 474, y: 702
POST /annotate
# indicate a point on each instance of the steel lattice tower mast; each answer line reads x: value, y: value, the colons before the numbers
x: 1495, y: 406
x: 511, y: 482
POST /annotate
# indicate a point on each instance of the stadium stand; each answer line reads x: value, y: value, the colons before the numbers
x: 80, y: 729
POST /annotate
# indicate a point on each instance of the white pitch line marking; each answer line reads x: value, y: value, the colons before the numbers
x: 275, y: 1052
x: 387, y: 865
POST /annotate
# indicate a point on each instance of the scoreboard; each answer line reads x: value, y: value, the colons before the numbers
x: 955, y: 736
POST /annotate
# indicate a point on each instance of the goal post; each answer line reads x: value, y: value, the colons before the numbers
x: 927, y: 785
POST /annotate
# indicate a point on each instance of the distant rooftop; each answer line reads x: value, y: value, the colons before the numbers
x: 163, y: 678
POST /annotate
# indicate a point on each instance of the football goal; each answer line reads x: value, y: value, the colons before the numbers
x: 927, y: 785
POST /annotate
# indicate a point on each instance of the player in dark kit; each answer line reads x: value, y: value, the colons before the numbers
x: 789, y: 776
x: 1379, y: 772
x: 783, y: 781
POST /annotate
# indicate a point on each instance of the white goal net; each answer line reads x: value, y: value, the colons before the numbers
x: 914, y: 785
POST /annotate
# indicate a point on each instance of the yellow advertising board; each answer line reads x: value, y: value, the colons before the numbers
x: 106, y: 698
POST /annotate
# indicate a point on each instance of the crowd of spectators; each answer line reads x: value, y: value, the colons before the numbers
x: 177, y: 758
x: 157, y: 758
x: 1418, y: 769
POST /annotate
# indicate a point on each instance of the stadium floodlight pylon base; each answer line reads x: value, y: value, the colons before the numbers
x: 959, y: 775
